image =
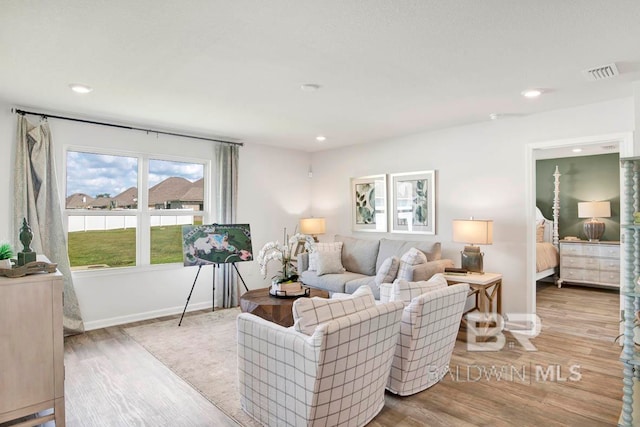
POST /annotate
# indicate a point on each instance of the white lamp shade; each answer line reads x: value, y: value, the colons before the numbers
x: 594, y: 209
x: 473, y: 231
x: 312, y: 226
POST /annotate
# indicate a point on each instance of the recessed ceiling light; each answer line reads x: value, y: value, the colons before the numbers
x: 577, y: 150
x: 80, y: 88
x: 494, y: 116
x: 321, y: 138
x: 310, y: 87
x: 532, y: 93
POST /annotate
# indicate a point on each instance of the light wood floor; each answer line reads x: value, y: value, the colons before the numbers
x: 113, y: 381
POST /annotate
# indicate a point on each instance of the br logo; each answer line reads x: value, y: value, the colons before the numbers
x: 485, y: 330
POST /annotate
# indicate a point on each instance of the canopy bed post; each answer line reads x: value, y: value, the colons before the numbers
x: 556, y: 206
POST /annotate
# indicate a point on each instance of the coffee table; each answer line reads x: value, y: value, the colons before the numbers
x: 278, y: 310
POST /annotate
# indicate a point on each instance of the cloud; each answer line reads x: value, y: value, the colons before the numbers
x: 95, y: 174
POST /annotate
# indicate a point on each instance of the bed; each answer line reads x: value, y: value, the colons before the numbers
x: 547, y: 253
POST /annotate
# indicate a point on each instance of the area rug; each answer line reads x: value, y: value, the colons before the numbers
x: 203, y: 353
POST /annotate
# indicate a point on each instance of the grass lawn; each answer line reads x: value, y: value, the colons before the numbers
x: 117, y: 248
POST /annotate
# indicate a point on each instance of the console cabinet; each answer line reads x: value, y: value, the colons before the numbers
x: 590, y: 263
x: 32, y: 349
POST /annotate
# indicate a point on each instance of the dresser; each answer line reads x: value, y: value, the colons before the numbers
x: 590, y: 263
x: 31, y: 349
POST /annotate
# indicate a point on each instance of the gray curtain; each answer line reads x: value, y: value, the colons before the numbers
x: 226, y: 203
x: 36, y: 199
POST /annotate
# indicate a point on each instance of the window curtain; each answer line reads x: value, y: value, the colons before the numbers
x: 226, y: 203
x: 36, y: 199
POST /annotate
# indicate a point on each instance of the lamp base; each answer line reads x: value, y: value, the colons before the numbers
x: 593, y: 229
x: 472, y: 259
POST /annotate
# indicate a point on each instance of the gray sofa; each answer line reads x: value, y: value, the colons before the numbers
x: 362, y: 258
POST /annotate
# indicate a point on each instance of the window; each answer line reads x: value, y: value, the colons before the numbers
x: 112, y: 224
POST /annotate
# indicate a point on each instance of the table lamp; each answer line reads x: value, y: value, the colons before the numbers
x: 593, y: 228
x: 312, y: 227
x: 473, y: 232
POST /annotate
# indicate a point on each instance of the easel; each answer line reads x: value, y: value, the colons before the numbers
x: 214, y: 287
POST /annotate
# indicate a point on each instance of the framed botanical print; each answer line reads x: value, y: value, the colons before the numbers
x: 369, y: 203
x: 413, y: 203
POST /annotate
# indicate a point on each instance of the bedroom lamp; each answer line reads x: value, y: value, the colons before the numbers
x: 473, y: 232
x: 593, y: 228
x: 312, y: 227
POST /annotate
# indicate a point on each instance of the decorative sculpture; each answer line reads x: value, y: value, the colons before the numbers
x: 26, y: 236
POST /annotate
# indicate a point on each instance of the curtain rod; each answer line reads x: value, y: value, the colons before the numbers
x: 23, y: 112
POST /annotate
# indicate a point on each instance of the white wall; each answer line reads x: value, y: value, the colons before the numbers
x: 274, y: 192
x: 481, y: 172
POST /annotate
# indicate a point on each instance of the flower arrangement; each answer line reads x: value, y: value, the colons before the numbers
x: 284, y: 254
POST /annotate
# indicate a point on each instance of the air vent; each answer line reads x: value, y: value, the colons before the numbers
x: 600, y: 73
x: 610, y: 147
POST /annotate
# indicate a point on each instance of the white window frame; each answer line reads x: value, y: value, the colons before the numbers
x: 143, y: 214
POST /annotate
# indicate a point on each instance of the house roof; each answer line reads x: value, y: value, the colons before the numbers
x: 168, y: 190
x: 234, y: 70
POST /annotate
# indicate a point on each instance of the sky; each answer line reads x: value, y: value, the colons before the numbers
x: 94, y: 174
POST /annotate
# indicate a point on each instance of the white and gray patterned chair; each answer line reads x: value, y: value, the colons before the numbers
x: 430, y: 324
x: 334, y: 377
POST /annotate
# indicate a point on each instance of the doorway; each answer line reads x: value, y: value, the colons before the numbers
x: 622, y: 143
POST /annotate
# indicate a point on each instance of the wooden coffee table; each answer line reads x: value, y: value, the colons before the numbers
x: 274, y: 309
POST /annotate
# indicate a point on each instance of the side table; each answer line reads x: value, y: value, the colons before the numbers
x: 487, y: 288
x: 274, y: 309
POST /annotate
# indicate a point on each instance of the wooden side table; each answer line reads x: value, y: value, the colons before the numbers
x: 278, y: 310
x: 487, y: 288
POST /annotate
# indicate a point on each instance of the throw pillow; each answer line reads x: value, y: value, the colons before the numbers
x: 388, y: 270
x: 412, y: 257
x: 328, y: 262
x: 405, y: 291
x: 310, y: 312
x: 322, y: 247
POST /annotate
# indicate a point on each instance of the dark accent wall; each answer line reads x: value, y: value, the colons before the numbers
x: 583, y: 179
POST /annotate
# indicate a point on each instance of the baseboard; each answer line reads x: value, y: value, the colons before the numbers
x: 121, y: 320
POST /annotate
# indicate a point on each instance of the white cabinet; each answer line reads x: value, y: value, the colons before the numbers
x: 590, y: 263
x: 31, y: 348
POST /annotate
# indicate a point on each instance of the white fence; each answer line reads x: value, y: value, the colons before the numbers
x: 104, y: 222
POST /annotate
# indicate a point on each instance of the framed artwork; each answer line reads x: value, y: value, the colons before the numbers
x: 413, y: 207
x: 369, y: 203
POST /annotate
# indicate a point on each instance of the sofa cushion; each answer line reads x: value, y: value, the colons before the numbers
x: 328, y: 262
x: 389, y: 248
x: 412, y: 257
x: 359, y: 255
x: 322, y: 247
x: 369, y: 281
x: 388, y: 270
x: 405, y: 291
x: 310, y: 312
x: 328, y: 282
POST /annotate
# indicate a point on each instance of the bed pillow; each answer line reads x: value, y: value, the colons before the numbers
x: 412, y: 257
x: 310, y: 312
x: 402, y: 290
x: 388, y: 270
x: 328, y: 262
x: 322, y: 247
x: 540, y: 233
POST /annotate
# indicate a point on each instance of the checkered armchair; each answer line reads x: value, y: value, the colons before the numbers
x: 334, y: 377
x: 428, y: 331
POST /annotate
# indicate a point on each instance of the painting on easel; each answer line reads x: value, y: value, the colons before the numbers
x: 216, y: 244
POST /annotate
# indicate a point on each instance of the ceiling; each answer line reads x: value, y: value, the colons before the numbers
x: 234, y: 69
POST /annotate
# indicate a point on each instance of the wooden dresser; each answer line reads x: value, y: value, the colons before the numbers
x: 31, y: 348
x: 590, y: 263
